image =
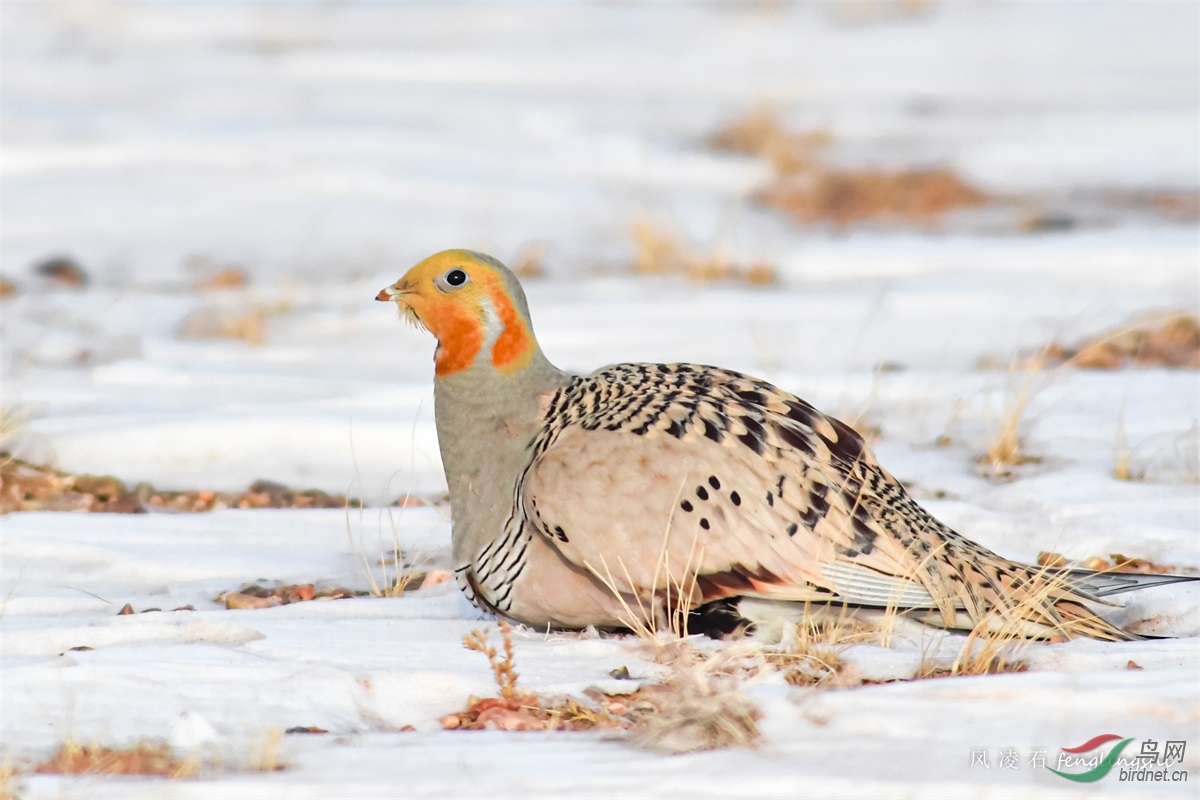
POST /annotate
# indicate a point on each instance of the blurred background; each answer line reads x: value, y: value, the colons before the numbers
x: 200, y: 199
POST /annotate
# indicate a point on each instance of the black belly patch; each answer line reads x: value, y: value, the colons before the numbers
x: 718, y: 620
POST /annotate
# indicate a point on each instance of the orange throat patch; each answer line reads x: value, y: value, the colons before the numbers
x: 514, y: 347
x: 460, y: 338
x: 461, y: 334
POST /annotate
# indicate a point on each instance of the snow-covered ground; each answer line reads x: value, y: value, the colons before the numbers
x: 326, y: 146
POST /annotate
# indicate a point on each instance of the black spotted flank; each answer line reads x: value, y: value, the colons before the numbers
x: 704, y: 523
x: 686, y: 505
x: 792, y: 528
x: 713, y: 482
x: 735, y: 498
x: 560, y: 534
x: 701, y: 492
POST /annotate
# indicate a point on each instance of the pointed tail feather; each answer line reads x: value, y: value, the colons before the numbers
x: 1103, y: 584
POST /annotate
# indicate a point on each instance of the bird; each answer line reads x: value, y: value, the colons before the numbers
x: 644, y: 495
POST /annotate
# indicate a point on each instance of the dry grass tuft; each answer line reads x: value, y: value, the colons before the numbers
x: 8, y: 774
x: 223, y: 280
x: 660, y: 250
x: 12, y: 422
x: 1157, y: 457
x: 1006, y: 449
x: 520, y: 711
x: 1171, y: 341
x: 142, y: 758
x: 991, y: 663
x: 810, y: 189
x: 247, y: 323
x: 1174, y: 205
x: 400, y: 572
x: 1116, y: 562
x: 530, y: 713
x: 985, y: 651
x: 268, y: 494
x: 810, y: 653
x: 849, y: 197
x: 146, y: 758
x: 813, y: 666
x: 253, y: 595
x: 408, y: 578
x: 264, y: 754
x: 28, y: 487
x: 697, y: 714
x: 660, y: 620
x: 995, y: 654
x: 760, y: 133
x: 528, y: 262
x: 998, y: 639
x: 1123, y: 469
x: 503, y: 669
x: 700, y: 707
x: 213, y: 275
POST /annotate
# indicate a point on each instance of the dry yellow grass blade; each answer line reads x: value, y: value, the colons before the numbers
x: 659, y: 249
x: 1006, y: 447
x: 265, y: 752
x: 142, y: 758
x: 1162, y: 340
x: 808, y: 187
x: 12, y: 422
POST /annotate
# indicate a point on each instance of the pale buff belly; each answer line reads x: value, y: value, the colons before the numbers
x: 552, y: 593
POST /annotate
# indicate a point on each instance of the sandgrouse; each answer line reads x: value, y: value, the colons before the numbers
x: 641, y: 490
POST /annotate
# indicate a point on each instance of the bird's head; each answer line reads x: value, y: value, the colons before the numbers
x: 474, y: 306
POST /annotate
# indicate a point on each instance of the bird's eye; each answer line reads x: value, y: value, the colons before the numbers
x: 455, y: 277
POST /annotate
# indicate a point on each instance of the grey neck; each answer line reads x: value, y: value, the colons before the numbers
x: 485, y: 421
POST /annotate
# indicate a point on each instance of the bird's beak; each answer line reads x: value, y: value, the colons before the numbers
x: 396, y: 293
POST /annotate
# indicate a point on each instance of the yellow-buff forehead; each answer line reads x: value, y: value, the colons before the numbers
x: 474, y: 264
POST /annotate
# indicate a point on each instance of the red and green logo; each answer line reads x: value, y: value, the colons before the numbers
x: 1097, y: 766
